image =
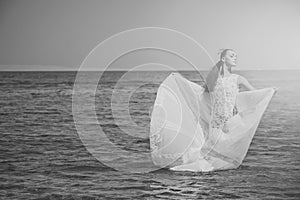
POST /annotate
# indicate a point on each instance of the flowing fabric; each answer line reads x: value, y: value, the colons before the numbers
x: 186, y: 124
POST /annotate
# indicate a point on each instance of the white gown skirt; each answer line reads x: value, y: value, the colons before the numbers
x: 181, y: 137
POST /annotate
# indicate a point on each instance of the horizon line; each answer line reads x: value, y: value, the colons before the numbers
x: 116, y: 70
x: 10, y: 67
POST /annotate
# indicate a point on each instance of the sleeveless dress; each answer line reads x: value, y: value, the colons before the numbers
x: 186, y: 128
x: 224, y: 96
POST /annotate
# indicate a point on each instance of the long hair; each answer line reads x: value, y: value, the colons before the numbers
x: 215, y: 72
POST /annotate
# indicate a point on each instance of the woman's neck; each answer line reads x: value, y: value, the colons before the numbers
x: 227, y: 70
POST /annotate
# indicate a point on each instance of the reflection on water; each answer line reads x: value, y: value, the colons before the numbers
x: 42, y: 156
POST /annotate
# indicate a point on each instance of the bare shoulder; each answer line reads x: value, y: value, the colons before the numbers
x: 244, y: 82
x: 241, y: 80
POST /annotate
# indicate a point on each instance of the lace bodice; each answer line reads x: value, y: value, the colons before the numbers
x: 224, y: 96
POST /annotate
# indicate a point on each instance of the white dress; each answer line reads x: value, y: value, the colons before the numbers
x: 186, y: 129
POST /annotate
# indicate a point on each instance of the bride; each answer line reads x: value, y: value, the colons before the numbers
x: 195, y: 128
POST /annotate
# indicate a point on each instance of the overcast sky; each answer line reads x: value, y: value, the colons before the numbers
x: 59, y: 34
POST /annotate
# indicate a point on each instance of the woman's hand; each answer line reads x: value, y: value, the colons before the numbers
x: 225, y: 128
x: 235, y: 110
x: 275, y: 90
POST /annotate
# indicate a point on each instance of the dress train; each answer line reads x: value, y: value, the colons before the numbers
x: 182, y: 137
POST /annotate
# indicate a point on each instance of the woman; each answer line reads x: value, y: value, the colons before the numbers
x: 205, y: 129
x: 224, y: 87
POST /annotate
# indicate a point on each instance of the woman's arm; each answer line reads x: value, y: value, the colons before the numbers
x: 247, y: 86
x: 244, y: 83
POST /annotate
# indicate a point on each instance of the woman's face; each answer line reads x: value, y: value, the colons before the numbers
x: 230, y: 58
